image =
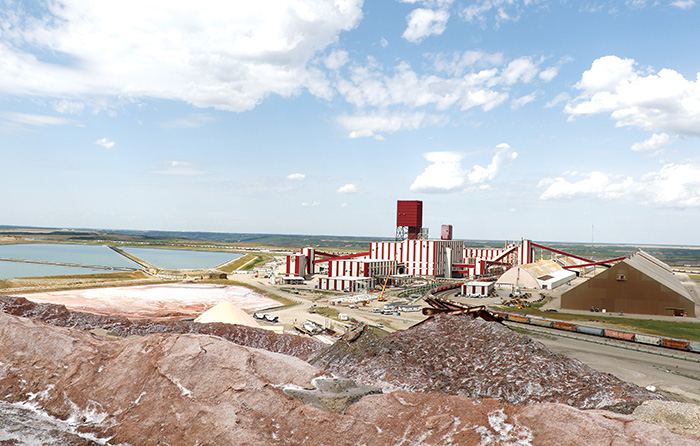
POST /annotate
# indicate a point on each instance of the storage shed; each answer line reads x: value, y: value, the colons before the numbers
x: 478, y: 288
x: 641, y: 284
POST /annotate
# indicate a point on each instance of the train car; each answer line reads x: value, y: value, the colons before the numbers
x: 501, y: 314
x: 649, y: 339
x: 694, y: 346
x: 619, y: 334
x: 564, y: 326
x: 595, y: 331
x: 675, y: 343
x: 517, y: 318
x: 541, y: 322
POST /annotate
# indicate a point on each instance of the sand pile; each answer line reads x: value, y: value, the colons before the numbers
x: 462, y: 356
x: 228, y: 314
x: 183, y: 390
x: 59, y: 315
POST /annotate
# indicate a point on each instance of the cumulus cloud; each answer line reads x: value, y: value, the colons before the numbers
x: 296, y: 176
x: 674, y: 185
x: 226, y: 55
x: 105, y: 143
x: 504, y: 157
x: 445, y: 173
x: 657, y: 142
x: 307, y: 204
x: 347, y: 189
x: 664, y: 101
x: 425, y: 22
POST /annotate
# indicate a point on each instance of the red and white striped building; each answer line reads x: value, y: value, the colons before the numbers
x: 478, y: 288
x: 345, y: 283
x: 310, y: 254
x: 433, y: 258
x: 359, y: 268
x: 296, y: 265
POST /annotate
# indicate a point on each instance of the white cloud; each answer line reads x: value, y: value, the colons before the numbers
x: 504, y: 157
x: 657, y: 142
x: 343, y: 205
x: 368, y: 86
x: 425, y: 22
x: 383, y: 42
x: 445, y: 173
x: 179, y: 168
x: 347, y: 189
x: 502, y: 10
x: 310, y: 204
x: 296, y: 176
x: 674, y: 185
x: 336, y: 59
x: 663, y: 101
x: 105, y: 143
x: 683, y: 4
x: 549, y: 73
x: 522, y: 69
x: 558, y: 99
x: 369, y: 125
x: 227, y: 55
x: 519, y: 102
x: 68, y: 107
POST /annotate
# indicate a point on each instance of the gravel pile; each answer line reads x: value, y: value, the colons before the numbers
x: 462, y: 356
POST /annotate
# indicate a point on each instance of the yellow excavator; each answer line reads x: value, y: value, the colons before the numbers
x: 381, y: 297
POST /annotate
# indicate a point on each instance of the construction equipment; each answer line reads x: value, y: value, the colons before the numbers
x: 381, y: 297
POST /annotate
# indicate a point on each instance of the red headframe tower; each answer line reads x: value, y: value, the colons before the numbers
x: 409, y: 219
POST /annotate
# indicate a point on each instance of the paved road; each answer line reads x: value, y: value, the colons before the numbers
x: 675, y: 377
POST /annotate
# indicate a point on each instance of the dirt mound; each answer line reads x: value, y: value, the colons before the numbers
x: 463, y: 356
x: 60, y: 316
x: 186, y: 390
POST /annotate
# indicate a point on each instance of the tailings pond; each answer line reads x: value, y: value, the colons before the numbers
x: 98, y: 259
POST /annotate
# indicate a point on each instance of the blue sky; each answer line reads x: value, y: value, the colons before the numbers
x: 549, y: 120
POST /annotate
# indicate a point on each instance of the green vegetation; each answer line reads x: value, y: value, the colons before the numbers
x: 236, y: 264
x: 327, y: 312
x: 672, y: 329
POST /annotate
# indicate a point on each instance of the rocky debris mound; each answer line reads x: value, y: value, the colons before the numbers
x: 682, y: 418
x: 463, y: 356
x: 188, y: 389
x: 332, y: 394
x: 60, y: 316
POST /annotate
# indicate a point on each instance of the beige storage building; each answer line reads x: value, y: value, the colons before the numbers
x: 641, y: 284
x: 535, y: 275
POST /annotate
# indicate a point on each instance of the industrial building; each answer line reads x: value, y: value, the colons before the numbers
x: 413, y: 255
x: 476, y: 288
x: 641, y: 284
x: 543, y: 274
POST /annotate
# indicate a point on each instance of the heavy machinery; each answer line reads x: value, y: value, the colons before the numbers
x: 381, y: 297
